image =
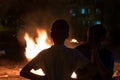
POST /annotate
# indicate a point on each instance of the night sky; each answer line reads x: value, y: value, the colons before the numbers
x: 43, y: 12
x: 18, y: 7
x: 21, y: 5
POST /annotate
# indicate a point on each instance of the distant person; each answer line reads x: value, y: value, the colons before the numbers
x: 101, y: 57
x: 57, y: 62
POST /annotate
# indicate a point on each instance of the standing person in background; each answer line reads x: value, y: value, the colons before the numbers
x: 101, y: 57
x: 57, y: 62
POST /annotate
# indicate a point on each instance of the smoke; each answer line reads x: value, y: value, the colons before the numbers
x: 32, y: 14
x: 19, y: 7
x: 41, y: 19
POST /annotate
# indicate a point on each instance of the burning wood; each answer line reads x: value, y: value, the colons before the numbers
x: 74, y: 41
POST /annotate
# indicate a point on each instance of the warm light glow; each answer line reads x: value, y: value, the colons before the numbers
x: 74, y: 41
x: 74, y: 75
x: 4, y: 76
x: 38, y: 72
x: 34, y: 46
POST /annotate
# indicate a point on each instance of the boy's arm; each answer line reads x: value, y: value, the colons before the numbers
x: 105, y: 72
x: 33, y: 64
x: 86, y: 69
x: 25, y: 72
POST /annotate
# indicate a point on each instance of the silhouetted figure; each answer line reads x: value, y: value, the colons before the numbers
x: 101, y: 57
x: 57, y: 62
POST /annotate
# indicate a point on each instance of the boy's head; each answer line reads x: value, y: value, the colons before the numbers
x: 97, y: 33
x: 60, y: 30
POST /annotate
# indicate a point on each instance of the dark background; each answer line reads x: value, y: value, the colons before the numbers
x: 18, y: 16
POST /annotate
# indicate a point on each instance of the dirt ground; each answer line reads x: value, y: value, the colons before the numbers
x: 10, y: 71
x: 7, y: 73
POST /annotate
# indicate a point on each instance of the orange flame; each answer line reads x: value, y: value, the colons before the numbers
x: 74, y: 41
x: 34, y: 47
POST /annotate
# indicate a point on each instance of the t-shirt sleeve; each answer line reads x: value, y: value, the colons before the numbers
x: 82, y: 61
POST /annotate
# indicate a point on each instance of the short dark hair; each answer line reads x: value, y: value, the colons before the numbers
x: 98, y: 31
x: 60, y: 29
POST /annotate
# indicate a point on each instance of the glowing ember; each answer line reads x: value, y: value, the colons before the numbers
x: 116, y: 73
x: 74, y: 75
x: 74, y: 41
